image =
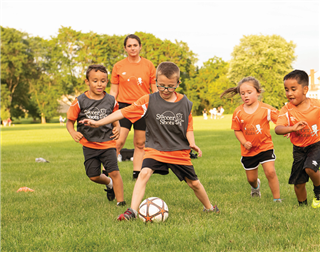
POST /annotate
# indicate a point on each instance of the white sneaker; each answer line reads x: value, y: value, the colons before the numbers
x: 119, y: 158
x: 256, y: 192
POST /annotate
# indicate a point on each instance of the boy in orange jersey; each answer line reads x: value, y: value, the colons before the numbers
x: 169, y: 137
x: 99, y: 145
x: 301, y: 118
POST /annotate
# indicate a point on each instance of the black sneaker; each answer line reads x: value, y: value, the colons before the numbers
x: 110, y: 194
x: 122, y: 203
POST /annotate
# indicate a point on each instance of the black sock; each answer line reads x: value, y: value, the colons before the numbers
x: 303, y: 203
x: 316, y: 190
x: 136, y: 174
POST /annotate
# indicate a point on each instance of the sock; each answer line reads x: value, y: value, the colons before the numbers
x: 210, y: 209
x: 136, y: 174
x: 302, y: 203
x: 316, y: 190
x: 257, y: 186
x: 135, y: 212
x: 110, y: 184
x: 276, y: 200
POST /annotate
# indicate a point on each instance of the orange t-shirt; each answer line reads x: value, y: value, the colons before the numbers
x: 136, y: 111
x: 134, y: 79
x: 290, y: 115
x: 73, y: 113
x: 255, y: 127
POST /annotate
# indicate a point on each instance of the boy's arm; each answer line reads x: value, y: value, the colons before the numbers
x: 114, y: 90
x: 116, y: 130
x: 154, y: 88
x: 115, y: 116
x: 192, y: 144
x: 282, y: 130
x: 242, y: 139
x: 77, y: 136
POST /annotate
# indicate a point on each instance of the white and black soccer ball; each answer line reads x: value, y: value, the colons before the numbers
x: 153, y: 209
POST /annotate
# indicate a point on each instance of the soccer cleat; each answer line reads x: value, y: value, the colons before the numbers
x: 215, y: 209
x: 256, y: 192
x: 316, y: 202
x: 122, y: 203
x: 127, y: 215
x: 110, y: 194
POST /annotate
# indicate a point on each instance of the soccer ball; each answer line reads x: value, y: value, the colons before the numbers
x: 153, y: 210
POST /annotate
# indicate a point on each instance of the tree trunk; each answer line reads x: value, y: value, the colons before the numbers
x: 43, y: 119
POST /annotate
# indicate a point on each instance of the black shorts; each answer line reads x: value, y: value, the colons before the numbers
x: 304, y: 157
x: 252, y: 162
x: 138, y: 125
x: 93, y: 158
x: 181, y: 171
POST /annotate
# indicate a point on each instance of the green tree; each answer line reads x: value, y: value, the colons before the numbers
x: 205, y: 88
x: 266, y: 57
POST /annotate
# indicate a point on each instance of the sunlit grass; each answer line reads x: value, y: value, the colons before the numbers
x: 67, y: 212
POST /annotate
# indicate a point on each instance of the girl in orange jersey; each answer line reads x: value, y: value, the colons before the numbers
x: 169, y: 137
x: 250, y: 123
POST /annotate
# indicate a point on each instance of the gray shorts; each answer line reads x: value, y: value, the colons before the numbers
x: 304, y: 157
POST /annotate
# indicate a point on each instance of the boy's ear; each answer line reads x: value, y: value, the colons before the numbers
x: 305, y: 90
x: 87, y: 82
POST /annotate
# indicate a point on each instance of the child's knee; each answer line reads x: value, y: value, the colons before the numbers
x: 194, y: 184
x: 271, y: 174
x: 114, y: 174
x: 144, y: 174
x: 139, y: 144
x: 94, y: 179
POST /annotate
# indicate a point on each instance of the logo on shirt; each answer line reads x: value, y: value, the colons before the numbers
x: 258, y: 129
x: 169, y: 118
x: 252, y: 130
x: 95, y: 114
x: 314, y: 130
x: 124, y: 73
x: 314, y: 163
x: 139, y: 80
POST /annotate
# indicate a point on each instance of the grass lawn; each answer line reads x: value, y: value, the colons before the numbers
x: 67, y: 212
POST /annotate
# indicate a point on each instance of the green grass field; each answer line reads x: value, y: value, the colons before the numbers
x: 66, y: 212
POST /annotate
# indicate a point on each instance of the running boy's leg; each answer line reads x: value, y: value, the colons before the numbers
x: 271, y: 175
x: 301, y: 192
x: 122, y: 139
x: 139, y: 140
x: 117, y: 185
x: 252, y: 177
x: 200, y: 192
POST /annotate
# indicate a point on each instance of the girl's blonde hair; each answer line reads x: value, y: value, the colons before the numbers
x: 236, y: 90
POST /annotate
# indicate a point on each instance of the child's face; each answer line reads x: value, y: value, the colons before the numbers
x: 166, y: 86
x: 295, y: 92
x: 248, y: 93
x: 97, y: 83
x: 132, y: 47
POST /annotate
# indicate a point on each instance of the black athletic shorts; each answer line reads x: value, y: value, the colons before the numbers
x: 138, y: 125
x: 93, y: 158
x: 181, y: 171
x: 304, y: 157
x: 252, y: 162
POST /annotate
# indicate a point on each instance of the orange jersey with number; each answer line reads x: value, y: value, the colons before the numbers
x: 255, y: 127
x: 73, y: 113
x: 290, y: 115
x: 134, y: 79
x: 136, y: 111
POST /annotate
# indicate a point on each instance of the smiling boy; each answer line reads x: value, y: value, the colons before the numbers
x: 169, y: 137
x: 301, y: 118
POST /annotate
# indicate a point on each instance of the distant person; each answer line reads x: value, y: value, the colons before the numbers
x: 250, y: 122
x: 220, y: 112
x: 169, y: 137
x: 300, y: 119
x: 213, y: 112
x: 9, y: 121
x: 99, y: 145
x: 132, y: 78
x: 205, y: 116
x: 61, y: 120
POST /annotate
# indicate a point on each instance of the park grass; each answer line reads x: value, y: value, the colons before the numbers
x: 66, y: 212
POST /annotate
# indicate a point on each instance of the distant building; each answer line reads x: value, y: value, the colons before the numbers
x: 314, y: 89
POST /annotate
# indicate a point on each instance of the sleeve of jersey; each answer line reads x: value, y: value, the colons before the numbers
x: 114, y: 75
x: 73, y: 110
x: 283, y: 118
x: 274, y: 115
x: 137, y: 110
x: 235, y: 125
x: 190, y: 123
x: 116, y: 106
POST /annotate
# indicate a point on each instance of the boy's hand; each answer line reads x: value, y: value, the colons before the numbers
x: 77, y: 136
x: 116, y: 132
x: 89, y: 122
x: 197, y: 149
x: 298, y: 126
x: 247, y: 145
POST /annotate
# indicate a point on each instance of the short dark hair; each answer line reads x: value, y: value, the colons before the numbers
x: 300, y: 75
x: 131, y: 36
x: 168, y: 69
x: 96, y: 67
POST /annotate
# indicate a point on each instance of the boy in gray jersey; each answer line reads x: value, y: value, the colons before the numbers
x: 169, y: 137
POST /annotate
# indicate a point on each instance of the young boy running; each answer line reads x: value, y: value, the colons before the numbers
x: 99, y: 145
x: 301, y: 118
x: 169, y: 137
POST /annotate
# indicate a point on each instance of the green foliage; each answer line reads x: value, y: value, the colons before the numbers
x: 268, y: 58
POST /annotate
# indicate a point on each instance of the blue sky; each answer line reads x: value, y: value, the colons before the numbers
x: 210, y: 28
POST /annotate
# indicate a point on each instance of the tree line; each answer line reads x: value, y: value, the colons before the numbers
x: 36, y: 72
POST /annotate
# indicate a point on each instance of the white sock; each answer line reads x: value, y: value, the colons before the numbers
x: 110, y: 185
x: 209, y: 208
